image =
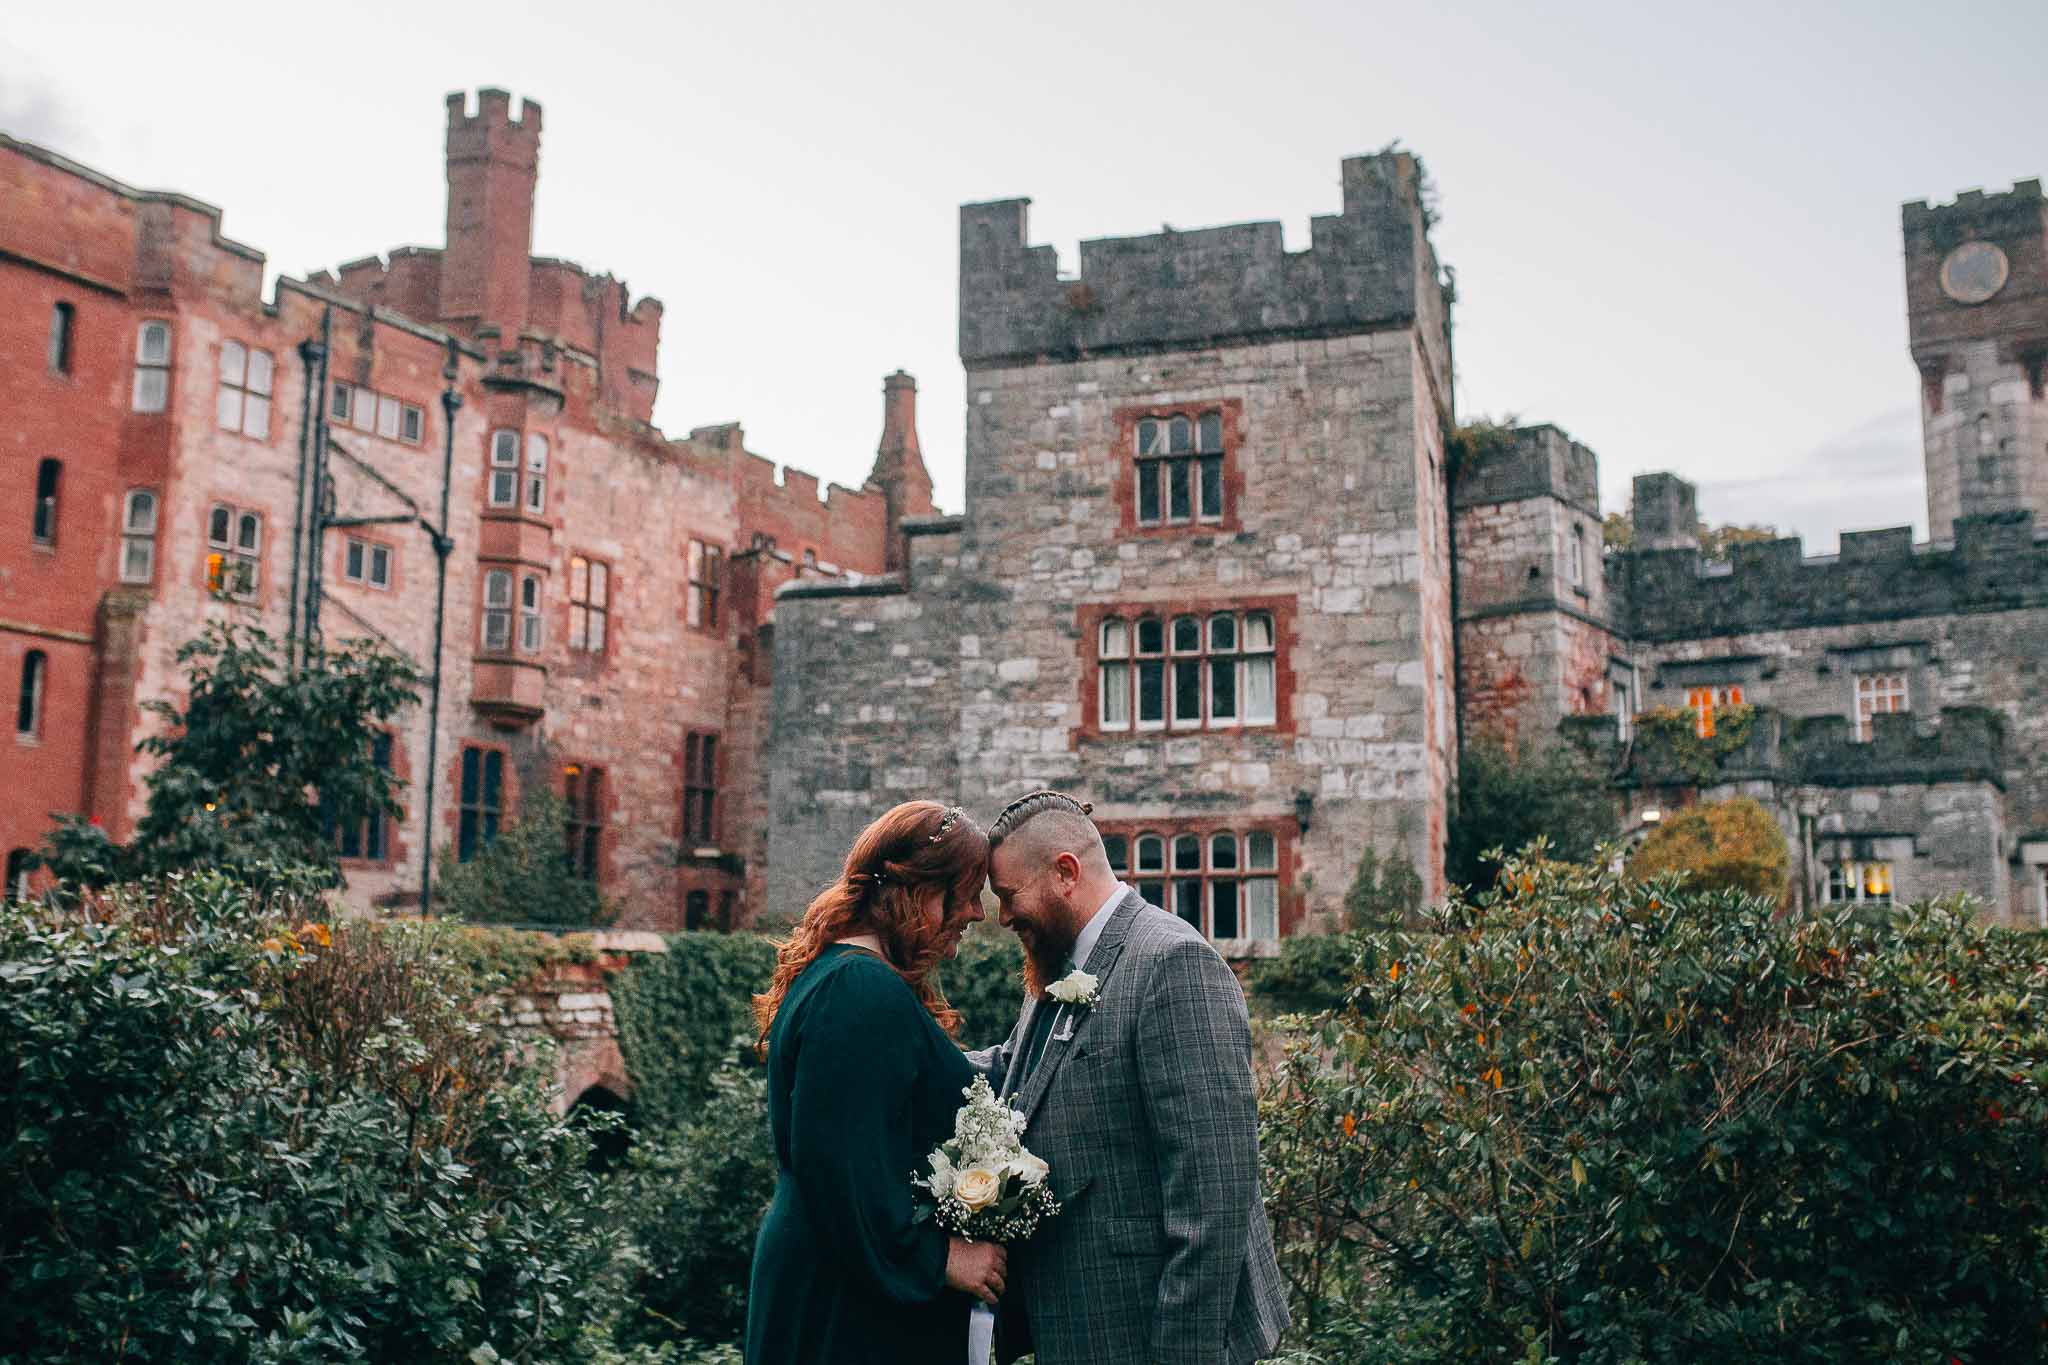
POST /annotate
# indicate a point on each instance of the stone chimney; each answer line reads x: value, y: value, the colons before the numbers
x: 899, y: 465
x: 493, y: 164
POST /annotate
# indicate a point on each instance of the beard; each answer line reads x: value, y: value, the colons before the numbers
x: 1045, y: 956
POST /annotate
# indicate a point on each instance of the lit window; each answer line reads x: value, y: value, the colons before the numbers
x: 583, y: 789
x: 504, y: 468
x: 243, y: 403
x: 1220, y: 672
x: 529, y: 614
x: 1860, y: 884
x: 152, y: 367
x: 537, y: 474
x: 62, y: 318
x: 43, y: 521
x: 1704, y: 701
x: 234, y: 559
x: 1877, y: 693
x: 481, y: 800
x: 700, y: 790
x: 138, y: 536
x: 1178, y: 466
x: 497, y: 610
x: 706, y: 570
x: 589, y: 603
x: 1222, y: 883
x: 366, y: 562
x: 28, y: 713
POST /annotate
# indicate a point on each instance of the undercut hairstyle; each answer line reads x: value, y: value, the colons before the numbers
x: 1045, y: 824
x: 1029, y: 807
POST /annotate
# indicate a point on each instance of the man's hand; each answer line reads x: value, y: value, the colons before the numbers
x: 977, y: 1268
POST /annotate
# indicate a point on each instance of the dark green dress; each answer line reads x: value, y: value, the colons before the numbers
x: 862, y: 1084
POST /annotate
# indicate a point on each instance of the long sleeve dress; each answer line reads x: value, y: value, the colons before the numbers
x: 862, y: 1084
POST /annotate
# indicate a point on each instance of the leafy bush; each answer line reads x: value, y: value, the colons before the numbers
x: 1507, y: 800
x: 523, y: 876
x: 1312, y: 973
x: 698, y: 1196
x: 1723, y: 845
x: 234, y: 1133
x: 684, y: 1014
x: 986, y: 984
x: 1598, y: 1120
x: 1384, y: 892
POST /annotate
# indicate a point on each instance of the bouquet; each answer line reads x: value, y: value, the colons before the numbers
x: 986, y: 1187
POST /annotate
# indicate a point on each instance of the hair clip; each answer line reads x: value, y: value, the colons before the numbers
x: 946, y: 823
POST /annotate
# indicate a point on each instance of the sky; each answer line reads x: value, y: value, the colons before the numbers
x: 1675, y: 228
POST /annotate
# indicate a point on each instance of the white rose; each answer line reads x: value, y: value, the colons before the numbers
x: 943, y: 1176
x: 1028, y: 1168
x: 977, y: 1187
x: 1075, y: 988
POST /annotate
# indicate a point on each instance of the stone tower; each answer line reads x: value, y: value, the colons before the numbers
x: 1977, y: 306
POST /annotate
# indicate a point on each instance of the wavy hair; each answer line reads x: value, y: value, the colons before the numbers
x: 909, y: 857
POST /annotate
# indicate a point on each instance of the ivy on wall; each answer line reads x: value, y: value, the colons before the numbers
x: 1671, y: 734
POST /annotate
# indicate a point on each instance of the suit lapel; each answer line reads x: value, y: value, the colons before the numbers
x: 1023, y: 1037
x: 1101, y: 962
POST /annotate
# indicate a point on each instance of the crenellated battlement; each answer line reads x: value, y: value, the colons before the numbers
x: 2016, y: 207
x: 493, y: 122
x: 1367, y: 268
x: 1997, y: 562
x: 1527, y: 462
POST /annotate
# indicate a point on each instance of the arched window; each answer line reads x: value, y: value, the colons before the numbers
x: 529, y: 614
x: 1179, y: 469
x: 1115, y: 654
x: 497, y: 610
x: 62, y: 318
x: 45, y: 518
x: 138, y: 536
x: 28, y: 715
x: 152, y: 367
x: 504, y: 468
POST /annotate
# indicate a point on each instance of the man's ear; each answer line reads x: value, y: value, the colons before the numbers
x: 1068, y: 868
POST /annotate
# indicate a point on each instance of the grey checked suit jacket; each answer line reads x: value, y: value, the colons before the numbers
x: 1148, y: 1116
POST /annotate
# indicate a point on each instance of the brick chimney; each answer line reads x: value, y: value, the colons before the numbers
x: 493, y: 163
x: 899, y: 465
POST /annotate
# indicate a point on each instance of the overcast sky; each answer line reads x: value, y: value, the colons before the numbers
x: 1675, y: 228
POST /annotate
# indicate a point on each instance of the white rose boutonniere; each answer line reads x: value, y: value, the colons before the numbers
x: 1076, y: 988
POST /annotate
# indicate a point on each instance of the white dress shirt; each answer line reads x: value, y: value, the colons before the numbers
x: 1084, y: 942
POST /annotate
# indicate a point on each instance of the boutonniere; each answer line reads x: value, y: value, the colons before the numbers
x: 1076, y: 988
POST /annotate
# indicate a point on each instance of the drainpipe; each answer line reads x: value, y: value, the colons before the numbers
x: 451, y: 403
x: 313, y: 355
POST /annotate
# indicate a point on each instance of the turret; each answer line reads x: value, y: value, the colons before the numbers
x: 493, y: 164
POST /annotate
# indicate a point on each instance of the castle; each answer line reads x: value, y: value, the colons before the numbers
x: 1222, y: 567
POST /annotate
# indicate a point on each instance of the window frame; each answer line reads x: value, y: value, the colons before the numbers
x: 229, y: 552
x: 534, y: 484
x: 240, y: 393
x: 63, y: 337
x: 500, y: 613
x: 49, y: 491
x: 532, y: 621
x: 1227, y: 475
x: 703, y: 588
x: 1148, y: 855
x: 590, y: 581
x: 143, y: 540
x: 1156, y: 676
x: 701, y: 755
x: 478, y: 818
x: 370, y: 835
x: 1849, y: 882
x: 583, y: 824
x: 502, y: 462
x: 141, y: 398
x: 1704, y: 699
x: 1862, y: 727
x: 32, y: 695
x: 361, y: 569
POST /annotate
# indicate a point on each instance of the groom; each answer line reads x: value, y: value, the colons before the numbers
x: 1139, y: 1093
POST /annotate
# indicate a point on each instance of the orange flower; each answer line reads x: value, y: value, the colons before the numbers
x: 1469, y: 1008
x: 319, y: 933
x: 271, y: 945
x: 1350, y: 1125
x: 1394, y: 972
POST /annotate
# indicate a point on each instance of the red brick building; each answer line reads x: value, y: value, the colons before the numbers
x: 609, y: 588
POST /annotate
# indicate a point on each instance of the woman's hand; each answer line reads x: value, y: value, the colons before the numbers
x: 977, y: 1268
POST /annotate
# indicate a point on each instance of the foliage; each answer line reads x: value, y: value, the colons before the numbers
x: 233, y: 1132
x: 265, y: 760
x: 685, y: 1013
x: 1731, y: 845
x: 523, y: 876
x: 986, y: 984
x: 1717, y: 543
x: 80, y: 857
x: 698, y: 1195
x: 1383, y: 892
x: 1312, y: 973
x: 492, y: 957
x: 1592, y: 1119
x: 1507, y: 799
x: 1671, y: 735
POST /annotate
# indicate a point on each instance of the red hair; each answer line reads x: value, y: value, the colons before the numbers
x: 894, y: 870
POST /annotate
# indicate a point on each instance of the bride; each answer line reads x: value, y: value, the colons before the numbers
x: 864, y: 1079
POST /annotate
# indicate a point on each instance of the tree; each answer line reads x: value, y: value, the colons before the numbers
x: 1717, y: 543
x: 1730, y: 845
x: 1384, y: 892
x: 1507, y: 799
x: 261, y: 766
x: 523, y: 876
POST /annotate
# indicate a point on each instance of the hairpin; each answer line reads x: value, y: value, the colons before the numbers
x: 946, y: 823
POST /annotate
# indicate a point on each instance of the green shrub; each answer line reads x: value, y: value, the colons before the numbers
x: 1720, y: 846
x: 986, y: 984
x: 1313, y: 973
x: 220, y: 1145
x: 698, y: 1194
x: 1598, y: 1120
x: 523, y: 876
x: 1506, y: 800
x: 685, y: 1013
x: 1384, y: 892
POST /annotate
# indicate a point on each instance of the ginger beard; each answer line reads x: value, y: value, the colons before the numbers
x: 1041, y: 922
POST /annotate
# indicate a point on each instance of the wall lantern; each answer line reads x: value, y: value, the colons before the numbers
x: 1304, y: 808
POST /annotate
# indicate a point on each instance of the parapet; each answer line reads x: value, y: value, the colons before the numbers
x: 1972, y: 208
x: 1997, y: 562
x: 1365, y: 269
x: 493, y: 115
x: 1967, y: 745
x: 1528, y: 462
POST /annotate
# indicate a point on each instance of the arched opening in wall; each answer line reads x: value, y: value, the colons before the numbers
x: 609, y: 1148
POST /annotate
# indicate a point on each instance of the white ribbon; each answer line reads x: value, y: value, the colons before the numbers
x: 981, y: 1335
